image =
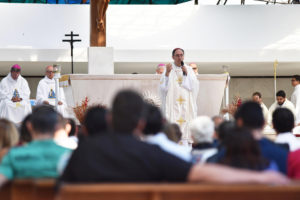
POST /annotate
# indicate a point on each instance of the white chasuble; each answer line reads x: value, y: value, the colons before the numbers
x: 295, y: 99
x: 287, y: 104
x: 46, y: 92
x: 179, y: 94
x: 9, y: 88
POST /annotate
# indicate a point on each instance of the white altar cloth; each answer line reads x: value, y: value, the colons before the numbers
x: 102, y: 89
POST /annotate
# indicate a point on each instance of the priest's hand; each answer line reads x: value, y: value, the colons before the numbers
x: 169, y: 68
x: 184, y: 70
x: 60, y: 103
x: 46, y: 102
x: 16, y: 99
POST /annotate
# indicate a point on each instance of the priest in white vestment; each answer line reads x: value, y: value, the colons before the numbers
x: 257, y: 97
x: 179, y: 89
x: 14, y: 96
x: 281, y: 102
x: 46, y: 93
x: 295, y: 98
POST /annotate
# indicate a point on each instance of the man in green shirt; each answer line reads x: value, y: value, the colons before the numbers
x: 39, y: 158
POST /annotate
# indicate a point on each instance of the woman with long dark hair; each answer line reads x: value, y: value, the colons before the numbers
x: 243, y: 151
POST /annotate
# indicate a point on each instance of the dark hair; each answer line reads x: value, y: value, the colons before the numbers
x: 243, y: 151
x: 25, y: 135
x: 251, y: 115
x: 73, y: 126
x: 95, y: 120
x: 257, y: 94
x: 173, y: 52
x: 45, y: 119
x: 154, y: 120
x: 127, y: 109
x: 297, y: 77
x: 280, y: 93
x: 283, y: 120
x: 224, y: 129
x: 173, y: 132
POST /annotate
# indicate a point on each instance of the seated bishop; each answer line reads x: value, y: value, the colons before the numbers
x: 14, y: 96
x: 46, y: 93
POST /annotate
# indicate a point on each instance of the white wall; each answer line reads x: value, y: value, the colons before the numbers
x: 204, y: 27
x: 41, y: 26
x: 209, y: 33
x: 245, y: 87
x: 155, y: 27
x: 138, y: 33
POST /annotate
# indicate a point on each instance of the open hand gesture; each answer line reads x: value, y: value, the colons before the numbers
x: 169, y: 68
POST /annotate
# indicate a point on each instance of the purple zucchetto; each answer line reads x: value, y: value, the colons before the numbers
x: 16, y: 67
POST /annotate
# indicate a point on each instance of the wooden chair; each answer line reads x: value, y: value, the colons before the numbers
x: 33, y: 189
x: 177, y: 192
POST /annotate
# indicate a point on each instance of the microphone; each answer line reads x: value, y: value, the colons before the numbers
x: 182, y: 64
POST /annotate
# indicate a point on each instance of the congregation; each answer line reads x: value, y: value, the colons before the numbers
x: 133, y: 142
x: 118, y: 145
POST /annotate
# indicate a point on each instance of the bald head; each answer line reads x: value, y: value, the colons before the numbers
x: 194, y: 67
x: 49, y: 72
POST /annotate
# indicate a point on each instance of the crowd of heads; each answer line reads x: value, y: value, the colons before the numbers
x: 235, y: 143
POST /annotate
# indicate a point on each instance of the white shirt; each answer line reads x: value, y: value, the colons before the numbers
x: 265, y: 111
x: 202, y: 155
x: 287, y: 104
x: 295, y: 99
x: 169, y: 146
x: 288, y: 138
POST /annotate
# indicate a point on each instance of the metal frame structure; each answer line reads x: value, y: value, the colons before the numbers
x: 266, y: 1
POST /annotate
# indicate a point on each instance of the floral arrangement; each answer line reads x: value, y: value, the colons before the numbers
x: 237, y: 101
x: 232, y: 108
x: 80, y: 110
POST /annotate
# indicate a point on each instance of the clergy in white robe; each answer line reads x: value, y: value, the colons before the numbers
x: 295, y: 98
x: 194, y: 68
x: 257, y: 97
x: 46, y: 93
x: 281, y: 102
x: 179, y: 89
x: 14, y: 96
x: 160, y: 68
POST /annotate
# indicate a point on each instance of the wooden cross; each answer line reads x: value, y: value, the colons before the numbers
x: 98, y: 22
x: 71, y: 41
